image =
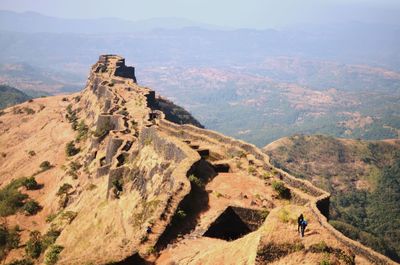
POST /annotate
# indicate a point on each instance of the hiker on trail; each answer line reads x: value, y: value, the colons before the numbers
x: 148, y: 230
x: 303, y: 226
x: 299, y: 221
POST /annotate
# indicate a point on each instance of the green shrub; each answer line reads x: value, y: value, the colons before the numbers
x: 325, y: 261
x: 64, y: 189
x: 68, y: 216
x: 118, y: 185
x: 31, y: 207
x: 50, y: 237
x: 34, y: 245
x: 71, y: 116
x: 21, y: 262
x: 151, y: 250
x: 28, y: 111
x: 71, y: 150
x: 74, y: 166
x: 9, y: 239
x: 319, y: 247
x: 195, y: 180
x: 251, y: 170
x: 281, y: 189
x: 51, y: 217
x: 271, y: 251
x: 148, y: 141
x: 180, y: 214
x: 11, y: 199
x: 264, y: 213
x: 53, y: 254
x: 83, y: 131
x: 45, y: 165
x: 31, y: 184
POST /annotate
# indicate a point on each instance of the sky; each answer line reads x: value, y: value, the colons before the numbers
x: 227, y: 13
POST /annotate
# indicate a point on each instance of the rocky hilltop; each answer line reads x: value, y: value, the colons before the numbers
x: 118, y: 175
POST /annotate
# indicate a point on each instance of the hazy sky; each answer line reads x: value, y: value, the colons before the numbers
x: 231, y: 13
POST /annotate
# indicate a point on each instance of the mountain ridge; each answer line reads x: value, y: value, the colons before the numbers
x: 116, y: 170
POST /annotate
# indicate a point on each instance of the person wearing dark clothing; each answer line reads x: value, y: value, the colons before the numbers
x: 303, y: 226
x: 299, y: 221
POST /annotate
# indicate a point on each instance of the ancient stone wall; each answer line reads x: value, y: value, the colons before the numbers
x: 167, y: 149
x: 319, y: 199
x: 112, y: 148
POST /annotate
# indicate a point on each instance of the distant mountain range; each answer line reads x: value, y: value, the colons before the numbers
x: 257, y: 85
x: 32, y: 22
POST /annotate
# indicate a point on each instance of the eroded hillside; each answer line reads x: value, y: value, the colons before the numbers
x: 105, y: 176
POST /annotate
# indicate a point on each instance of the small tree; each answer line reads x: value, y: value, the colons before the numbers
x: 53, y: 254
x: 71, y: 150
x: 34, y: 246
x: 31, y: 207
x: 31, y: 184
x: 64, y: 189
x: 45, y: 165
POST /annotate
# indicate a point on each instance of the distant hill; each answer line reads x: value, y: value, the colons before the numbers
x: 32, y: 22
x: 363, y: 178
x: 11, y: 96
x: 37, y: 81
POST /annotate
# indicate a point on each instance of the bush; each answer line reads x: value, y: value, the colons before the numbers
x: 71, y: 150
x: 9, y: 239
x: 271, y: 251
x: 50, y: 237
x: 74, y: 166
x: 31, y: 207
x: 68, y: 216
x: 45, y: 165
x: 34, y: 245
x: 53, y: 254
x: 31, y: 184
x: 11, y: 199
x: 83, y: 130
x: 319, y: 247
x: 21, y: 262
x: 64, y: 189
x: 118, y: 185
x: 281, y: 189
x: 51, y: 217
x: 325, y: 261
x: 28, y: 111
x: 195, y: 180
x: 181, y: 214
x: 31, y: 153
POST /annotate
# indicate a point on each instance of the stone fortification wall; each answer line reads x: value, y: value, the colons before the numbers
x: 318, y: 199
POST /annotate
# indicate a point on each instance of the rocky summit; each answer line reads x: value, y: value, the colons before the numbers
x: 116, y: 174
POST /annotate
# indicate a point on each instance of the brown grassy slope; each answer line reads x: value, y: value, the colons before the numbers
x: 44, y: 132
x: 362, y: 178
x: 331, y: 163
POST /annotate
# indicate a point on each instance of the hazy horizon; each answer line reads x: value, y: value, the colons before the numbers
x: 254, y: 14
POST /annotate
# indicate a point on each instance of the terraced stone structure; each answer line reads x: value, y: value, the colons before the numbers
x: 152, y: 190
x: 157, y: 162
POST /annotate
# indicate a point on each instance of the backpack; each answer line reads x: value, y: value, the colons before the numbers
x: 304, y: 223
